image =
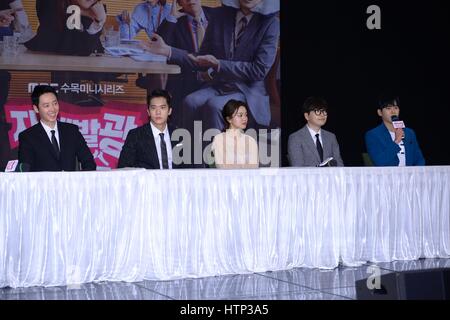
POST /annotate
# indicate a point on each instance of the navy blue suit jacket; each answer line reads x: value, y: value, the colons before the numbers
x: 179, y: 35
x: 52, y: 37
x: 247, y: 67
x: 383, y: 151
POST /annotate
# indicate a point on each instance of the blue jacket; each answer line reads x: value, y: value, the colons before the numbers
x: 383, y: 151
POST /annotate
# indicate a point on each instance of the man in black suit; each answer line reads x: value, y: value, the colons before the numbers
x: 53, y: 34
x: 150, y: 146
x: 51, y: 145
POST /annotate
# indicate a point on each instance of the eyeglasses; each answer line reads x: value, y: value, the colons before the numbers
x: 319, y: 112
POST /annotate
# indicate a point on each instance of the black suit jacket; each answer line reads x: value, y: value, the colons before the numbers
x: 53, y: 37
x: 139, y: 150
x: 36, y: 149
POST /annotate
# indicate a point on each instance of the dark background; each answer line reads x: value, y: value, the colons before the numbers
x: 327, y: 50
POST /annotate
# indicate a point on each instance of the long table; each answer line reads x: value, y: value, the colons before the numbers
x: 61, y: 228
x: 41, y: 61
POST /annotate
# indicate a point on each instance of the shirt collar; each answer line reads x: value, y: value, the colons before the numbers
x: 156, y: 131
x: 239, y: 16
x: 48, y: 129
x: 202, y: 18
x: 313, y: 133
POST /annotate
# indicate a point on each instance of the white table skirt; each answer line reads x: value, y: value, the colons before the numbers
x: 60, y: 228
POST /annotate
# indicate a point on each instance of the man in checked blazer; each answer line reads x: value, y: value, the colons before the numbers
x: 311, y: 145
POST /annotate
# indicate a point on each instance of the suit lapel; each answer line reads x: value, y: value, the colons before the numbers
x: 326, y: 145
x: 387, y: 135
x: 229, y: 23
x: 248, y: 35
x: 171, y: 129
x: 186, y: 34
x: 173, y: 144
x: 310, y: 143
x: 46, y: 141
x: 63, y: 139
x: 407, y: 144
x: 149, y: 147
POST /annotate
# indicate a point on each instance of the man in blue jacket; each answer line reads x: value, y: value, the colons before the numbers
x: 388, y: 146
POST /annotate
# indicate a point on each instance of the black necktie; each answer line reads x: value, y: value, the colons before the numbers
x: 55, y: 143
x: 319, y: 147
x: 164, y: 159
x: 243, y: 23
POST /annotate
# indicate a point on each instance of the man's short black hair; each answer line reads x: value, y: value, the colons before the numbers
x: 157, y: 93
x: 386, y: 99
x: 314, y: 103
x: 39, y: 90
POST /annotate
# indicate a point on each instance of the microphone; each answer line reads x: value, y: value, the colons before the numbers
x: 397, y: 123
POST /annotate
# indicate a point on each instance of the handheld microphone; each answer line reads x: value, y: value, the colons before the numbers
x: 397, y: 123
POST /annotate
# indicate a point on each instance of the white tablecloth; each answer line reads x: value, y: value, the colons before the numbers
x: 59, y: 228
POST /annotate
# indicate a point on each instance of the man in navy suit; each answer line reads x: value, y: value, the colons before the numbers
x: 51, y: 145
x: 388, y: 146
x: 237, y: 53
x: 185, y: 29
x: 150, y: 146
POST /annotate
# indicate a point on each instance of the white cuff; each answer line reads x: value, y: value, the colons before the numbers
x: 95, y: 27
x: 172, y: 18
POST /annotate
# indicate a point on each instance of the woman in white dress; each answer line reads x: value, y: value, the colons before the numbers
x: 233, y: 149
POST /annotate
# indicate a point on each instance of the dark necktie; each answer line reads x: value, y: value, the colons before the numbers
x: 243, y: 24
x: 164, y: 159
x: 55, y: 143
x: 319, y: 147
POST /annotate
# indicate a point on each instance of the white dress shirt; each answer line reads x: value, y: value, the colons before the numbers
x: 49, y: 133
x: 157, y: 138
x: 401, y: 155
x: 313, y: 135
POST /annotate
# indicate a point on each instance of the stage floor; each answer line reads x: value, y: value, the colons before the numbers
x: 294, y: 284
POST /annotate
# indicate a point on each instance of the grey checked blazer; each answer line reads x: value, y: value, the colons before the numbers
x: 302, y: 151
